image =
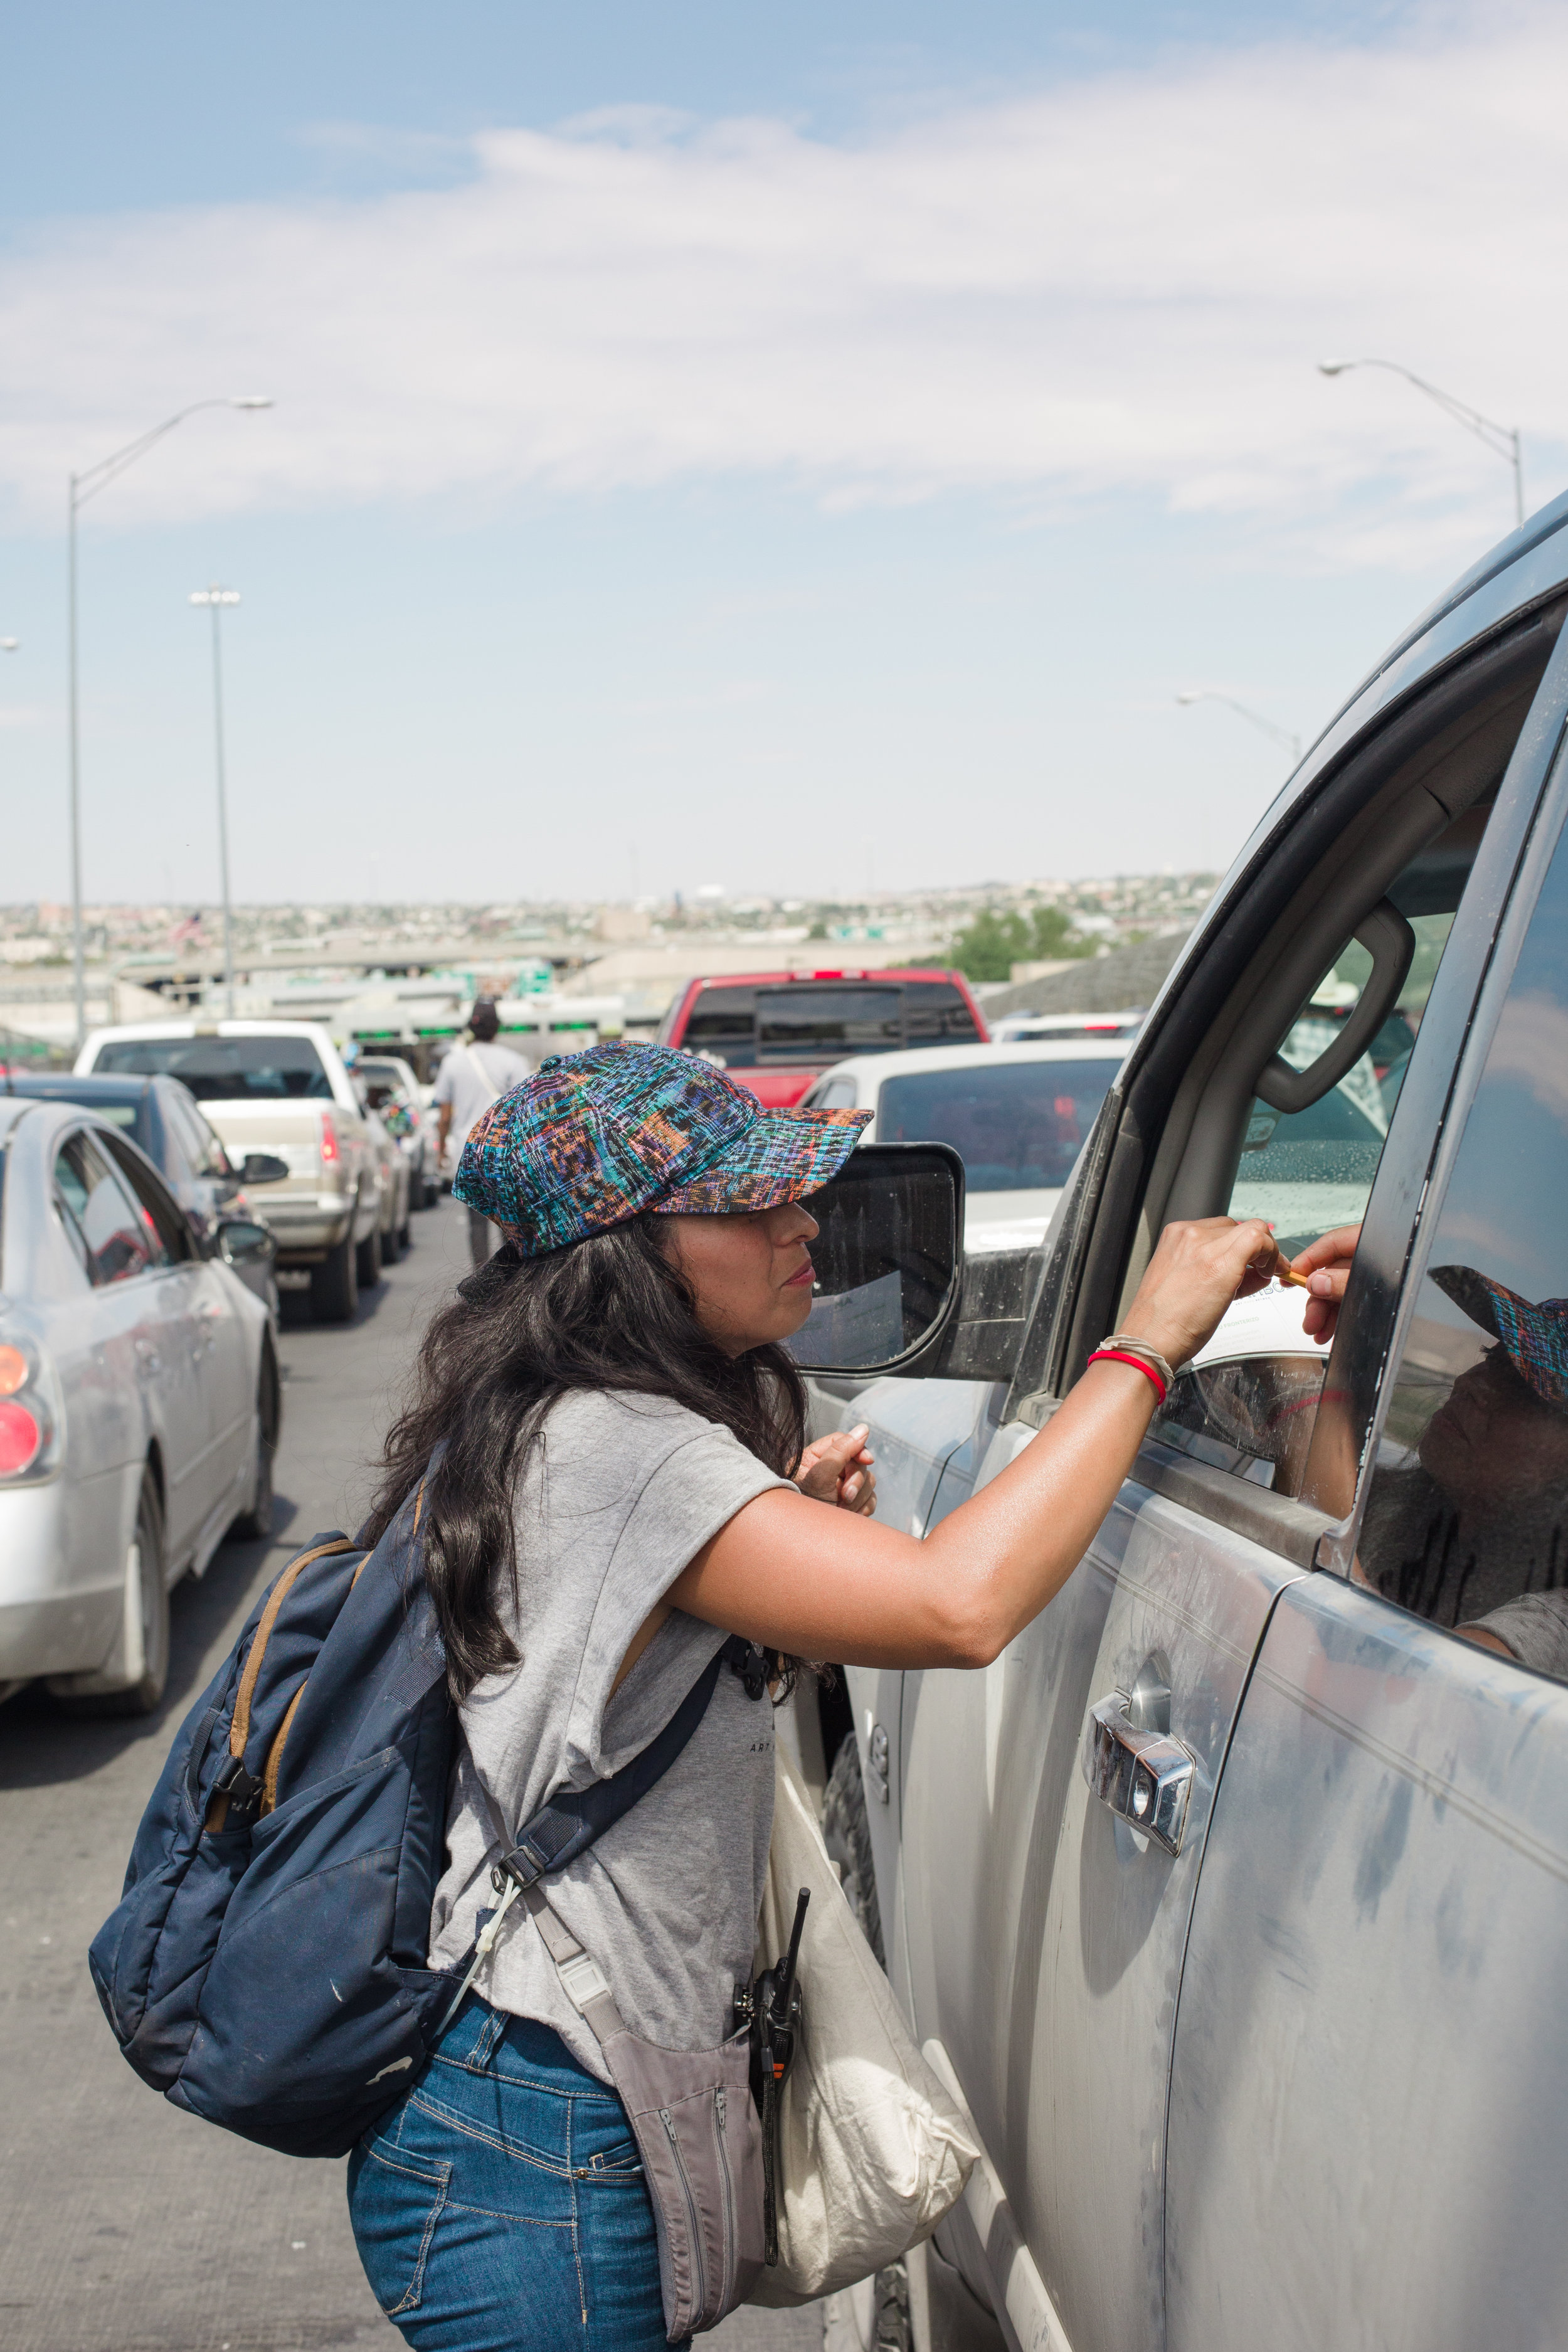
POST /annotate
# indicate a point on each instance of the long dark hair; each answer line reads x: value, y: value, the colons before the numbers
x: 611, y: 1312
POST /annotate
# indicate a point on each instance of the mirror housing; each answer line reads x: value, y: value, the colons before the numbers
x: 241, y: 1241
x: 263, y: 1168
x: 985, y: 1336
x: 888, y: 1262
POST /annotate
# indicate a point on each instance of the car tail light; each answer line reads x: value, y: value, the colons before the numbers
x: 28, y: 1419
x: 21, y: 1439
x: 331, y: 1153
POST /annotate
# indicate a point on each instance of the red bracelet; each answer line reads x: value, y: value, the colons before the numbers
x: 1115, y: 1356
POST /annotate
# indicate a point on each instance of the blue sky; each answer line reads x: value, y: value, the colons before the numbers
x: 804, y: 452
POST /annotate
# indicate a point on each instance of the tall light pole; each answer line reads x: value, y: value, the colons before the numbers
x: 216, y: 598
x: 1282, y: 735
x: 1503, y: 440
x: 82, y: 487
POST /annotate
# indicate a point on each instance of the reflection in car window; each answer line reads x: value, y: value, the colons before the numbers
x: 226, y: 1069
x: 825, y: 1024
x: 1467, y: 1517
x: 1018, y: 1125
x: 723, y: 1026
x: 116, y: 1236
x: 936, y: 1014
x: 196, y: 1139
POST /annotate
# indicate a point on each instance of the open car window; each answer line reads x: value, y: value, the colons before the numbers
x: 1249, y: 1402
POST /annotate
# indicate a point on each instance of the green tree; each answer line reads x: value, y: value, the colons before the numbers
x: 990, y: 945
x: 1053, y: 936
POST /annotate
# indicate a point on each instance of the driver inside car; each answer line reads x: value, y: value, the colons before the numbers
x: 1472, y: 1532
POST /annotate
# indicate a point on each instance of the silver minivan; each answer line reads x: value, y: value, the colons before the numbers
x: 1233, y: 1898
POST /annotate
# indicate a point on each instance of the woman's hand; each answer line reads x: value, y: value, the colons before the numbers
x: 837, y: 1469
x: 1196, y: 1272
x: 1326, y: 1264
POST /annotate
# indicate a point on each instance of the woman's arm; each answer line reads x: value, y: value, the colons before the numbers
x: 831, y: 1585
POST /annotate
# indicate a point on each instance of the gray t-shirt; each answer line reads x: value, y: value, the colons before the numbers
x: 620, y: 1493
x: 470, y: 1078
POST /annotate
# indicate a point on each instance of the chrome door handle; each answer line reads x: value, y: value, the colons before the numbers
x: 1145, y: 1776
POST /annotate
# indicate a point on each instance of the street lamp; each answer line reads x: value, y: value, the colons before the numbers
x: 82, y: 487
x: 1503, y: 440
x: 216, y: 598
x: 1280, y: 735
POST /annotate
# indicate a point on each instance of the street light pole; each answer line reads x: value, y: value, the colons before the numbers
x: 1280, y: 734
x: 82, y: 487
x: 216, y: 598
x: 1503, y: 440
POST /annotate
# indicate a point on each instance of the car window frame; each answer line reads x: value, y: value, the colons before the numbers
x: 153, y: 1195
x: 1099, y: 1212
x: 1367, y: 1333
x: 99, y: 1135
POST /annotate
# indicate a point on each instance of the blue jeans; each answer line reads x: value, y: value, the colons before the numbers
x: 500, y: 2206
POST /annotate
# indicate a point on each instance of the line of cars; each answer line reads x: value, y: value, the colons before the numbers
x: 150, y: 1202
x: 355, y: 1150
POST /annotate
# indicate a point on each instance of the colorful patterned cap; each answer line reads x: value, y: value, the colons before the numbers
x: 590, y: 1139
x: 1534, y: 1339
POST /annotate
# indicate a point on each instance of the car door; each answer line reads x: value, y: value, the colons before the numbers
x: 1369, y: 2111
x: 97, y: 1342
x: 921, y: 1427
x: 126, y: 1246
x: 1046, y: 1927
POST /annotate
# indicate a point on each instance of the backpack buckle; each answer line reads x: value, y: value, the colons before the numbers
x: 243, y: 1791
x: 750, y: 1662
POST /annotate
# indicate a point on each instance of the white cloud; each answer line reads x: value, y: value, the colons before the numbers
x: 1117, y: 285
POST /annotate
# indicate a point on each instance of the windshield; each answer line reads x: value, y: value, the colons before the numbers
x: 825, y: 1024
x: 226, y: 1069
x: 1018, y: 1125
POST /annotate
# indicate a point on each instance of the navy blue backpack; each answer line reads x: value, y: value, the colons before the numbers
x: 265, y: 1967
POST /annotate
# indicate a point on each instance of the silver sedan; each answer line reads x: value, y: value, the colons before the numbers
x: 139, y: 1406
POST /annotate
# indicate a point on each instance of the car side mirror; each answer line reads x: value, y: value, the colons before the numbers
x: 985, y: 1336
x: 263, y: 1168
x: 888, y: 1261
x: 240, y: 1243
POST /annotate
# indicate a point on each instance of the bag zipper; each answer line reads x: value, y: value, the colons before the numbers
x: 694, y: 2226
x: 723, y: 2154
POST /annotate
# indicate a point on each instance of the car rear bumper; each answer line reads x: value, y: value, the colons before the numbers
x: 52, y: 1620
x: 305, y: 1227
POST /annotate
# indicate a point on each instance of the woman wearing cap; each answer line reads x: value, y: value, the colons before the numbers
x: 610, y: 1434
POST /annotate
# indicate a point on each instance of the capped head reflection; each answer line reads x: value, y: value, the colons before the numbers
x: 1502, y: 1439
x: 1473, y: 1531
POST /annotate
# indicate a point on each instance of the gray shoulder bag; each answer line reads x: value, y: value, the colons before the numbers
x: 692, y: 2112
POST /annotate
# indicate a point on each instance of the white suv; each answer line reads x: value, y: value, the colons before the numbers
x: 277, y: 1086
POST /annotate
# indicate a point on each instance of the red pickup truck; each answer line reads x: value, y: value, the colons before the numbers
x: 775, y: 1030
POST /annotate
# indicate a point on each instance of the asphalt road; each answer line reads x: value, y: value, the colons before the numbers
x: 124, y: 2225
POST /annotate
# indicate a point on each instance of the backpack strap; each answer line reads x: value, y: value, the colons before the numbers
x: 570, y: 1823
x: 274, y: 1764
x: 236, y: 1791
x: 580, y: 1976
